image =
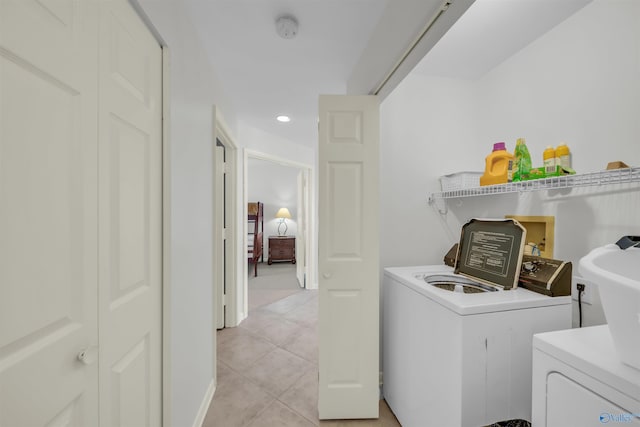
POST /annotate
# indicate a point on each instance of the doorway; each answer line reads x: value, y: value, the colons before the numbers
x: 301, y: 203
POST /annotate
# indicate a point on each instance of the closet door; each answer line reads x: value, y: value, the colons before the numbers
x: 130, y: 148
x: 48, y: 216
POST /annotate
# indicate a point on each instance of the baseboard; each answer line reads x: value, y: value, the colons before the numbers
x: 206, y: 402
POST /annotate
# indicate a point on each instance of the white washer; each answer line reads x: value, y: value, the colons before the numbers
x: 458, y: 359
x: 579, y: 380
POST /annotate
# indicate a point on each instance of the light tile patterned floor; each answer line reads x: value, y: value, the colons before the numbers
x: 268, y: 366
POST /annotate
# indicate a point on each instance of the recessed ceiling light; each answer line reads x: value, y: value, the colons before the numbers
x: 283, y: 119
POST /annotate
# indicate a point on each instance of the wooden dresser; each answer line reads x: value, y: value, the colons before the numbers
x: 282, y: 248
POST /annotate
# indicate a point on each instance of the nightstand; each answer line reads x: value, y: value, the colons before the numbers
x: 282, y: 248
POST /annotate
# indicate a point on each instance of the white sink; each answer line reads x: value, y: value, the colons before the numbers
x: 617, y: 273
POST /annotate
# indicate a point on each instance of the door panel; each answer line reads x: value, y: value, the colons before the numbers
x: 130, y: 149
x: 344, y: 355
x: 348, y: 257
x: 344, y: 210
x: 48, y: 216
x: 129, y: 175
x: 130, y: 386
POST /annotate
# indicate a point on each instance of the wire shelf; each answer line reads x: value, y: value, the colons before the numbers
x: 615, y: 176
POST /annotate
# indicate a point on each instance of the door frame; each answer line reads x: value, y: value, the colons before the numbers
x: 166, y: 230
x: 302, y: 185
x: 310, y: 245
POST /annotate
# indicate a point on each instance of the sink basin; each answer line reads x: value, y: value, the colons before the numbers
x: 617, y: 274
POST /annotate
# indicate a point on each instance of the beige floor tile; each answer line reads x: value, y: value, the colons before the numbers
x: 277, y: 371
x: 386, y: 416
x: 224, y: 373
x: 236, y: 402
x: 305, y: 345
x: 302, y: 396
x: 279, y: 330
x: 291, y: 302
x: 257, y: 318
x: 273, y: 354
x: 278, y: 415
x: 386, y: 419
x: 241, y: 351
x: 262, y: 297
x: 223, y: 335
x: 306, y: 314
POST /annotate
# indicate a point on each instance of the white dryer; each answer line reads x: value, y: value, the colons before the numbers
x: 579, y: 380
x: 456, y: 358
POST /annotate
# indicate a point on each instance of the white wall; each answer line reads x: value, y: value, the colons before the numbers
x: 258, y: 140
x: 579, y: 83
x: 274, y: 185
x: 193, y: 92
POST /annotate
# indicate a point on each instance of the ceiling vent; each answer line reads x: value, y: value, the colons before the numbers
x: 287, y: 26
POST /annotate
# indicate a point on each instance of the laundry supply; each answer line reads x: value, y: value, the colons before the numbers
x: 617, y: 165
x: 549, y: 160
x: 522, y: 163
x: 497, y: 165
x: 563, y: 156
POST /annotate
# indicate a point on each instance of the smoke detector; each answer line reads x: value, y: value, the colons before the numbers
x: 287, y: 26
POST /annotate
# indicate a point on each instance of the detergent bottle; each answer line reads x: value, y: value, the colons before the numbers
x: 522, y: 165
x: 497, y: 166
x: 563, y: 156
x: 549, y: 160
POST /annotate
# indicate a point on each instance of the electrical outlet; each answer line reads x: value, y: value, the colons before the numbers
x: 587, y: 294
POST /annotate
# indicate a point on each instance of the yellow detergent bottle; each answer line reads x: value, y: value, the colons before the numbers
x: 497, y: 167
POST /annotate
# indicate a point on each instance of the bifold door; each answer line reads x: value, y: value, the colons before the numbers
x: 80, y: 240
x: 348, y: 257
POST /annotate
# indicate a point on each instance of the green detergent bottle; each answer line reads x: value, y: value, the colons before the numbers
x: 522, y: 164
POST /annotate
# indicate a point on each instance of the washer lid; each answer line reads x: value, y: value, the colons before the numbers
x: 491, y: 250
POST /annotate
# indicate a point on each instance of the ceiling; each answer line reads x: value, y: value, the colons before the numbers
x: 265, y: 75
x: 490, y: 32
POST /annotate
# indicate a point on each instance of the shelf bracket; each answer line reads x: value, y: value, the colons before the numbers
x: 439, y: 203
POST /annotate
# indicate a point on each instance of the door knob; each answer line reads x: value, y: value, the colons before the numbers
x: 88, y: 355
x: 326, y: 275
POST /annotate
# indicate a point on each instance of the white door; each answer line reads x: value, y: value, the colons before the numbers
x: 301, y: 231
x: 348, y: 257
x: 228, y: 218
x: 48, y: 215
x: 130, y: 222
x: 219, y: 237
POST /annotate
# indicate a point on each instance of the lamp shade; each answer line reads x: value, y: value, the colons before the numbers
x: 283, y: 213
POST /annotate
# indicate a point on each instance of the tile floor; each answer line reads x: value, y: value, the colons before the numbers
x: 268, y: 366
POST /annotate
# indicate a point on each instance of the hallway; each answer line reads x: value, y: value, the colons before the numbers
x: 268, y: 366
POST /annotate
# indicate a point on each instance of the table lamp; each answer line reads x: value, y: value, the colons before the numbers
x: 283, y: 214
